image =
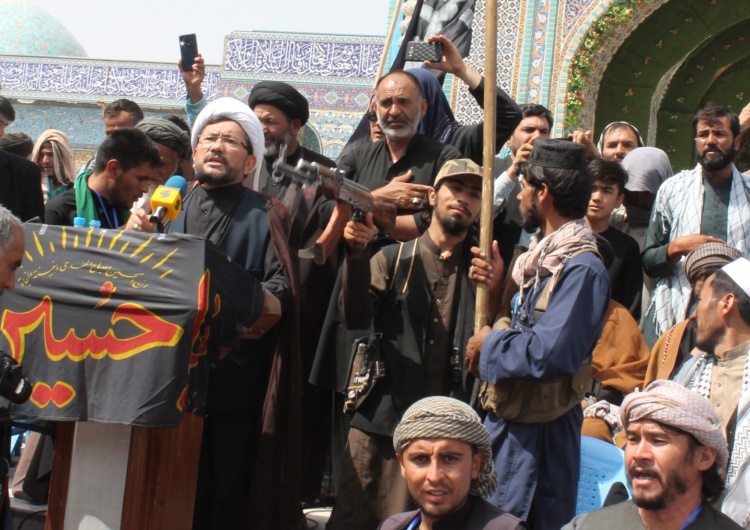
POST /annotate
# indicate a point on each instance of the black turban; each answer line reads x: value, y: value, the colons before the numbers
x: 282, y: 96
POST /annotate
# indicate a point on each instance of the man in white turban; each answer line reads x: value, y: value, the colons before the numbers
x: 674, y: 453
x: 246, y: 409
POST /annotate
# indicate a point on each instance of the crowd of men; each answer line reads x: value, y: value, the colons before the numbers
x: 607, y: 275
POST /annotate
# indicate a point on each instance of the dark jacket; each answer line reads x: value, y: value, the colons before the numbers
x: 625, y: 516
x: 21, y: 187
x: 404, y: 332
x: 476, y: 514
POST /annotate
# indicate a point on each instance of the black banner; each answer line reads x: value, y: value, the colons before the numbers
x: 111, y: 325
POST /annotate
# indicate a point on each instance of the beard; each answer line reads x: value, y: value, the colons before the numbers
x: 412, y: 126
x: 707, y: 342
x: 531, y: 219
x: 217, y: 177
x: 716, y: 163
x: 274, y: 149
x: 454, y: 226
x: 672, y: 487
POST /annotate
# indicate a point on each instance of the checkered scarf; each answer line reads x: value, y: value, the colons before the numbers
x: 737, y: 492
x: 444, y: 417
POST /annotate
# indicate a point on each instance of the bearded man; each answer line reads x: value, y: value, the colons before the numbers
x: 707, y: 203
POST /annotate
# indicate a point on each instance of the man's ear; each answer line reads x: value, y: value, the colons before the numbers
x: 423, y: 107
x: 704, y: 457
x: 250, y: 164
x: 432, y: 197
x: 113, y: 169
x: 476, y: 465
x: 295, y: 125
x: 400, y: 458
x: 620, y: 199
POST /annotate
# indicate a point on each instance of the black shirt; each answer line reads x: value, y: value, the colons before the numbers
x: 372, y: 166
x: 61, y: 211
x: 626, y: 271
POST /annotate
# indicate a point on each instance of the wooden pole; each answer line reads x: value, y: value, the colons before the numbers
x: 482, y: 317
x: 388, y: 40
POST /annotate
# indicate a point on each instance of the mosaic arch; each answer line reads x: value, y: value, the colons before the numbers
x: 650, y: 62
x: 685, y: 54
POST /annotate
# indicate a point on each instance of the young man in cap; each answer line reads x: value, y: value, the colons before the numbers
x: 674, y: 456
x: 540, y: 367
x: 720, y: 373
x: 445, y: 456
x: 423, y: 332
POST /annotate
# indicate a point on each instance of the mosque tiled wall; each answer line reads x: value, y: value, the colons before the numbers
x: 335, y: 73
x: 536, y: 41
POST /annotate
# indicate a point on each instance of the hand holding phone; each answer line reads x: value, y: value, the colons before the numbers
x: 188, y: 51
x: 424, y: 51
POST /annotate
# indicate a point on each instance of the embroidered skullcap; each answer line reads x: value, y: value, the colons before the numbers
x: 17, y: 143
x: 672, y: 404
x: 562, y: 154
x: 282, y: 96
x: 444, y: 417
x: 707, y: 258
x: 617, y: 125
x: 236, y: 111
x: 739, y: 271
x: 162, y: 131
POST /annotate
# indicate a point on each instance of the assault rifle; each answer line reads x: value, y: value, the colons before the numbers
x: 335, y: 185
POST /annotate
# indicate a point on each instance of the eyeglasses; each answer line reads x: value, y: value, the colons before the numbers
x: 371, y: 116
x: 228, y: 141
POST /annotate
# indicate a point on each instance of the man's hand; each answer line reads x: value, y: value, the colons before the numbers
x: 402, y: 193
x: 745, y: 118
x: 474, y: 349
x: 452, y: 63
x: 193, y: 78
x: 359, y: 235
x: 486, y: 271
x: 522, y: 156
x: 584, y: 138
x: 682, y: 246
x: 139, y: 222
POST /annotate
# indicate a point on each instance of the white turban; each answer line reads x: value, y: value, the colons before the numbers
x: 236, y: 111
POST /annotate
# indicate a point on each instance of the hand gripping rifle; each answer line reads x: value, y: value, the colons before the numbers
x: 335, y: 185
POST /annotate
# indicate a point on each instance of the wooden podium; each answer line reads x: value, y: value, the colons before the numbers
x: 153, y: 473
x: 113, y: 329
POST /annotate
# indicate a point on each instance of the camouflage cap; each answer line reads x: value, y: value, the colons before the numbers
x: 457, y: 167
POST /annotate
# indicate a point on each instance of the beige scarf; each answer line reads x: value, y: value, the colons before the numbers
x: 547, y: 256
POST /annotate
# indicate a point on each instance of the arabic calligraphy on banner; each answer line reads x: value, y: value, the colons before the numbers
x: 303, y: 57
x: 113, y: 325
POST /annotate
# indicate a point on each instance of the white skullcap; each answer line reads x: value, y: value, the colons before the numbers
x: 739, y: 271
x: 672, y: 404
x: 444, y: 417
x: 236, y: 111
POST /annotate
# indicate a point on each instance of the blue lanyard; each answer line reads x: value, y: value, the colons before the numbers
x: 415, y: 522
x: 692, y: 517
x: 106, y: 214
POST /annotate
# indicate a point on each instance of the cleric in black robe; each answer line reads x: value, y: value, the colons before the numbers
x: 251, y: 396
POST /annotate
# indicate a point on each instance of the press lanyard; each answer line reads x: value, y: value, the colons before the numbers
x: 415, y: 522
x: 692, y: 517
x: 106, y: 214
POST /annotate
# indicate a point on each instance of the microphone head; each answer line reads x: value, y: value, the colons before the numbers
x: 178, y: 182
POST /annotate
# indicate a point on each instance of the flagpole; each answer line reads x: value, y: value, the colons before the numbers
x: 482, y: 316
x: 388, y: 40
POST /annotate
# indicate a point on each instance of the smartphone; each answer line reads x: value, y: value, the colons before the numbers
x: 424, y: 51
x: 188, y: 51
